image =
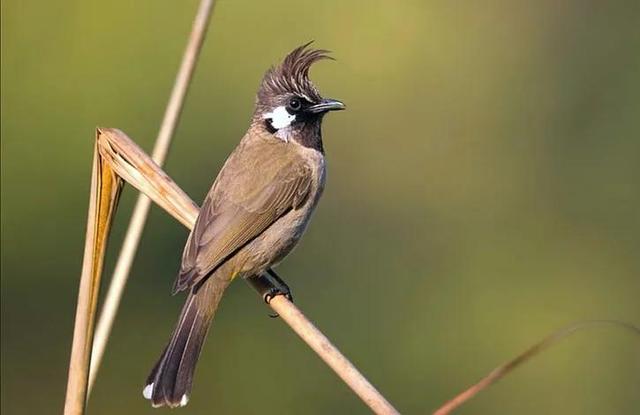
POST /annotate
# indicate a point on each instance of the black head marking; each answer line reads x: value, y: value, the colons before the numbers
x: 269, y: 126
x: 289, y: 106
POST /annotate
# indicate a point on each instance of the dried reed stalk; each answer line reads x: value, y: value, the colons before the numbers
x: 143, y: 204
x: 501, y: 371
x: 126, y: 160
x: 105, y: 190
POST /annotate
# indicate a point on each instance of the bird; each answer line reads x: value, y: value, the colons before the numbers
x: 254, y: 214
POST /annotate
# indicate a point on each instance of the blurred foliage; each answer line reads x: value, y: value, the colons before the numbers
x: 482, y: 191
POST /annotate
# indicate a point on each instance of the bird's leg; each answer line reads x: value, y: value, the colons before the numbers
x: 283, y: 287
x: 268, y: 285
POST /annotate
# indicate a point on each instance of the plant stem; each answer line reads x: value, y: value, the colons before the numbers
x: 105, y: 190
x: 143, y: 204
x: 134, y: 166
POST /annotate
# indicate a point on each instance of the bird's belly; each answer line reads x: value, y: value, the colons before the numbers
x: 276, y: 242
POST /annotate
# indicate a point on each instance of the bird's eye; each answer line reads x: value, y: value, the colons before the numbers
x: 295, y: 104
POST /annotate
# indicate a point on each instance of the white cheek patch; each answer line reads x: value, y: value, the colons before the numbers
x: 280, y: 118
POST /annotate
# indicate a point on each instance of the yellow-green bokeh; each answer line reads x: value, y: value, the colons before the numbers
x: 483, y: 189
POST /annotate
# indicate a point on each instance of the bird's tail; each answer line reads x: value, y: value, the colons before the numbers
x: 170, y: 380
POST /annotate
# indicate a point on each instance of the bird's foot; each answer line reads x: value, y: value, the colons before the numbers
x: 272, y: 292
x: 281, y: 287
x: 275, y: 291
x: 269, y: 285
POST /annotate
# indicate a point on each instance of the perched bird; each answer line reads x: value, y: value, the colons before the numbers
x: 254, y: 214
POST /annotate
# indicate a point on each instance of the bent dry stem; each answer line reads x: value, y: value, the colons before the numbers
x: 122, y: 158
x: 105, y: 191
x: 143, y: 204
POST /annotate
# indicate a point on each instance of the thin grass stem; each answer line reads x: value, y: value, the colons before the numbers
x: 143, y: 204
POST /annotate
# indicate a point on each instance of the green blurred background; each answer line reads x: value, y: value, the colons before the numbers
x: 482, y: 191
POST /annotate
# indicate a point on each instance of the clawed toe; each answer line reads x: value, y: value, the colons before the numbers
x: 272, y: 292
x: 269, y: 285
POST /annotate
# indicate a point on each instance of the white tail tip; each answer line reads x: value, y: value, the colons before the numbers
x: 184, y: 400
x: 148, y: 391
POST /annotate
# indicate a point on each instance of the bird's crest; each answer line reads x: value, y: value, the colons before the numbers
x: 292, y: 75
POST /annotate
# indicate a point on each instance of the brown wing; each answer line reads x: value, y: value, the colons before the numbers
x: 229, y: 220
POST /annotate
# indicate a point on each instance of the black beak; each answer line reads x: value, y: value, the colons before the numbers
x: 325, y: 106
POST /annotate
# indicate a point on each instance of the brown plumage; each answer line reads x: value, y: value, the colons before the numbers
x: 254, y: 214
x: 242, y: 204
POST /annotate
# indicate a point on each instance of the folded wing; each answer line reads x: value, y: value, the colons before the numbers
x: 231, y: 219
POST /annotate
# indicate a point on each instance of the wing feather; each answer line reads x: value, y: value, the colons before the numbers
x: 228, y: 221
